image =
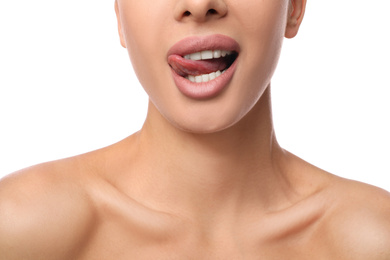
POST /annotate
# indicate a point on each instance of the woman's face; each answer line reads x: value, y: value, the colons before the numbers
x: 164, y: 39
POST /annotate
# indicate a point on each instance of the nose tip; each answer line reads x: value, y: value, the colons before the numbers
x: 200, y: 10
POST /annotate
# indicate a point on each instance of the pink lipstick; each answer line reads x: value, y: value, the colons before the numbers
x: 203, y: 66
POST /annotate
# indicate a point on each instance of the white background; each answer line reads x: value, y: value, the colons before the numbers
x: 67, y: 87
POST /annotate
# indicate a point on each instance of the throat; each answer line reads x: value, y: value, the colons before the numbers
x: 190, y: 172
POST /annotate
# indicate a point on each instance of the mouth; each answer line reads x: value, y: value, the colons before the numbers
x: 203, y: 66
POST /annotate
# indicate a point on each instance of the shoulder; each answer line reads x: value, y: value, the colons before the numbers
x: 44, y: 212
x: 358, y: 221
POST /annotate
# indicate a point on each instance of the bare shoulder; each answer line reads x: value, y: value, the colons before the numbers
x: 44, y: 212
x: 358, y: 221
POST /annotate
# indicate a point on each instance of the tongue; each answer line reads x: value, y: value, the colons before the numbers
x: 185, y: 67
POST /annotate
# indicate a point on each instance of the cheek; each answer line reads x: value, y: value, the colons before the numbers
x: 143, y: 38
x: 262, y: 23
x: 263, y: 33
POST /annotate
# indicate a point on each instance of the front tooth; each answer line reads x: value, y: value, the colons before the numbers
x: 198, y: 79
x: 207, y: 55
x: 217, y: 54
x: 196, y: 56
x: 191, y: 78
x: 205, y: 77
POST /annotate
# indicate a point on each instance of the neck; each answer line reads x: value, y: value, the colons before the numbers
x: 237, y: 167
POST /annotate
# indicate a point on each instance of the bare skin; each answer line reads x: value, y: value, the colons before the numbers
x: 126, y: 201
x: 178, y: 189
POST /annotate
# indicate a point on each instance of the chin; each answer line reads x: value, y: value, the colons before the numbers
x: 201, y: 129
x: 206, y: 124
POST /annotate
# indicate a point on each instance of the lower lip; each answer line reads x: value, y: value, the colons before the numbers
x: 204, y: 90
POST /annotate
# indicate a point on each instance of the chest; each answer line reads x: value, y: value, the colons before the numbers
x: 120, y: 244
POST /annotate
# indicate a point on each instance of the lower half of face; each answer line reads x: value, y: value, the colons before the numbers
x: 257, y: 27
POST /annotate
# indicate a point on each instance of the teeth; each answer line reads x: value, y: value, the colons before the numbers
x: 198, y: 79
x: 191, y: 78
x: 207, y: 55
x: 205, y: 77
x: 217, y: 54
x: 195, y: 56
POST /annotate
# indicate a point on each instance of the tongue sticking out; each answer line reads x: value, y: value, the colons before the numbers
x: 185, y: 67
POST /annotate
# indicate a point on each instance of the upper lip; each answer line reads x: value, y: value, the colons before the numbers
x: 194, y: 44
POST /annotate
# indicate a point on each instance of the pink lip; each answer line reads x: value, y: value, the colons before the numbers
x: 210, y: 42
x: 190, y: 45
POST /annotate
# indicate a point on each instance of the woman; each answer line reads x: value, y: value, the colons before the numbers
x: 205, y: 177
